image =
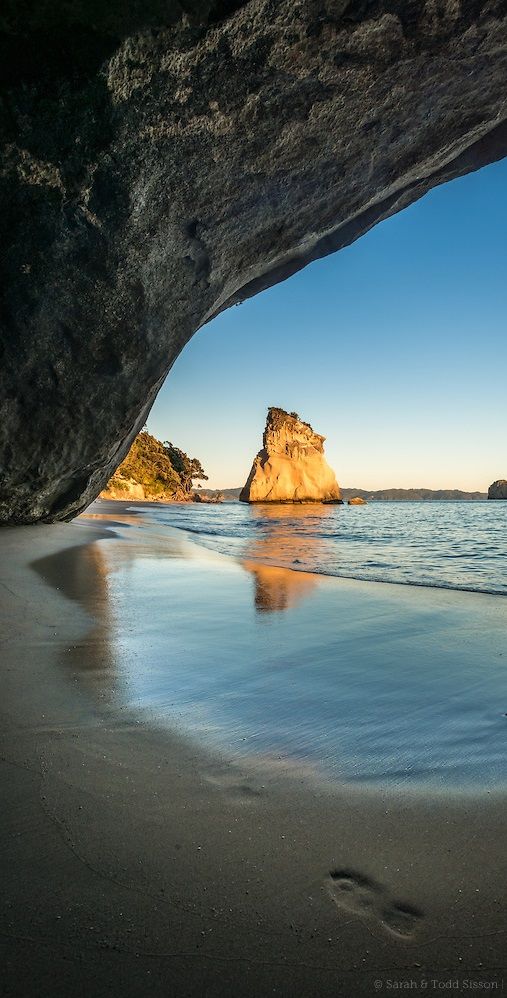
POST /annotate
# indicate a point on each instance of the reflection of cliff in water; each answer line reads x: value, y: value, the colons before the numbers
x: 286, y: 537
x: 89, y: 574
x: 278, y: 588
x: 81, y: 574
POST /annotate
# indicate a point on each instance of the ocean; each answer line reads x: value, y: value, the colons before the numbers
x: 384, y: 685
x: 450, y: 545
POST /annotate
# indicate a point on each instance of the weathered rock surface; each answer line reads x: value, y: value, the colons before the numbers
x: 127, y: 490
x: 356, y: 501
x: 124, y: 489
x: 291, y: 466
x: 498, y: 490
x: 210, y: 500
x: 162, y: 161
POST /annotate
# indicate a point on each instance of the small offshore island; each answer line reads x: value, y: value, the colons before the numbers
x: 498, y: 490
x: 291, y: 466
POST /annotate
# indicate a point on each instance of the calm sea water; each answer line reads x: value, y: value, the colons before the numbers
x: 452, y: 545
x: 390, y: 685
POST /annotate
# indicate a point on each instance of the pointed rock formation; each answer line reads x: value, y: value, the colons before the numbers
x: 291, y: 466
x: 498, y: 490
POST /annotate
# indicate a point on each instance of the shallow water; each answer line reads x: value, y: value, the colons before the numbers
x: 382, y: 685
x: 453, y: 545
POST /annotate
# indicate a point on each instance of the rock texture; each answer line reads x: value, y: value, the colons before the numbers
x: 356, y: 501
x: 291, y: 466
x: 211, y: 500
x: 124, y: 489
x: 127, y: 490
x: 498, y: 490
x: 162, y: 161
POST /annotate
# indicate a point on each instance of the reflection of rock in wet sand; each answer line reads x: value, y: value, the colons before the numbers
x: 81, y: 574
x: 278, y: 588
x: 112, y: 519
x: 286, y: 537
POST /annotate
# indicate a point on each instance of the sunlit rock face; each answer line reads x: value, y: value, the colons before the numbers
x: 162, y: 161
x: 498, y: 490
x: 291, y: 466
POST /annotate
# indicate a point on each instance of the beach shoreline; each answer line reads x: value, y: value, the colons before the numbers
x: 445, y: 545
x: 136, y: 860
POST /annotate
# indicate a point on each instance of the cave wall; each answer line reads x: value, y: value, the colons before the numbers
x: 162, y: 161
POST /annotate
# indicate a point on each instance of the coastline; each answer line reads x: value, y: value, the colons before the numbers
x: 269, y: 546
x: 152, y: 863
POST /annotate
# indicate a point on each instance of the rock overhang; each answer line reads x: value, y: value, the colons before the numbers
x: 182, y: 157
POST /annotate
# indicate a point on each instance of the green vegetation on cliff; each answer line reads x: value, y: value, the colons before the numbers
x: 154, y: 470
x: 187, y: 468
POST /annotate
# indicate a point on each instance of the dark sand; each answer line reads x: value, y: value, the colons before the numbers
x: 136, y: 862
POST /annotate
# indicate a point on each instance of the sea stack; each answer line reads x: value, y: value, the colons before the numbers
x: 498, y: 490
x: 291, y: 466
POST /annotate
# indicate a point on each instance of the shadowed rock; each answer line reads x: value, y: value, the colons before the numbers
x: 498, y: 490
x: 163, y: 161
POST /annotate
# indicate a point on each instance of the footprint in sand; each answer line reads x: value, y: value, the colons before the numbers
x: 401, y: 919
x: 237, y: 791
x: 362, y: 896
x: 354, y: 892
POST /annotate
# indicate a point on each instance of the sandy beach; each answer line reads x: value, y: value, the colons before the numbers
x: 140, y: 858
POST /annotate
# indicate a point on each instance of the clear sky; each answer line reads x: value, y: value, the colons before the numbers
x: 394, y: 348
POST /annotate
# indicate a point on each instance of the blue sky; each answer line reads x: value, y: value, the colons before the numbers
x: 394, y: 348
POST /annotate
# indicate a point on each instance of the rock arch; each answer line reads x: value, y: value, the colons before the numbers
x: 164, y: 161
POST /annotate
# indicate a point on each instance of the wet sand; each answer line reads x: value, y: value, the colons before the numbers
x: 135, y: 860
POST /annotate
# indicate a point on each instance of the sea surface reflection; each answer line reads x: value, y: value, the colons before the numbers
x: 277, y: 589
x: 451, y: 545
x: 385, y: 685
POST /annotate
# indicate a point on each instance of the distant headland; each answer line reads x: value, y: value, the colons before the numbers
x: 388, y: 495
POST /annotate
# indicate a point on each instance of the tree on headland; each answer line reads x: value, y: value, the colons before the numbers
x: 188, y: 468
x: 148, y: 465
x: 160, y: 469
